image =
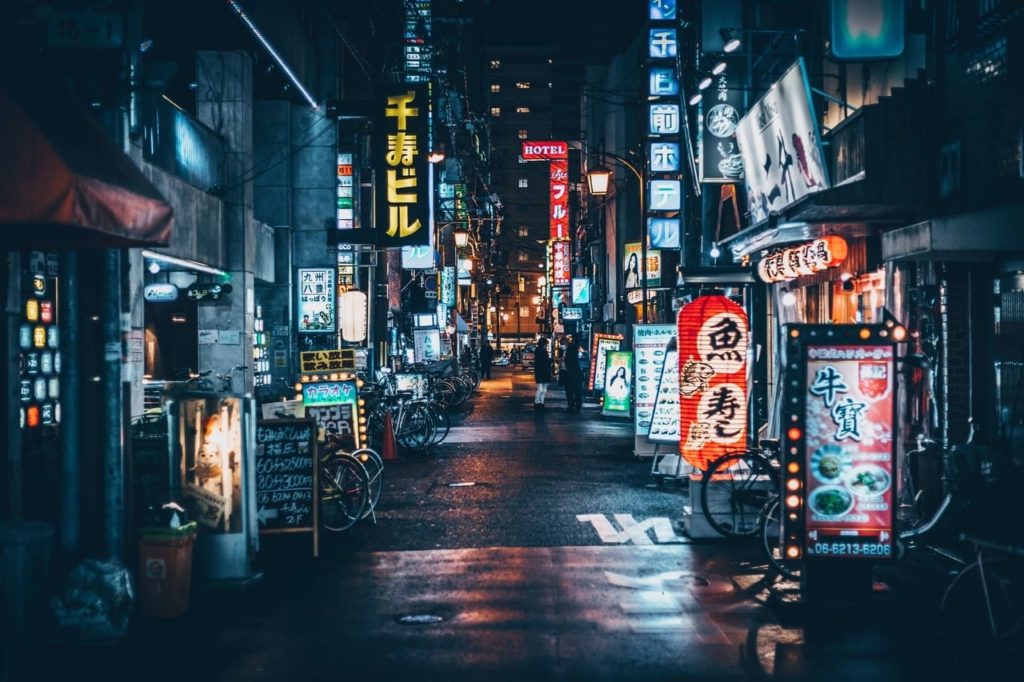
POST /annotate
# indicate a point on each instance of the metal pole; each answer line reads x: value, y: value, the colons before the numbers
x: 12, y: 398
x: 643, y: 249
x: 70, y: 462
x: 113, y: 467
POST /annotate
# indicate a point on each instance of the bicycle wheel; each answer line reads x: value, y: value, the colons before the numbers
x: 770, y: 527
x: 418, y: 428
x: 734, y: 489
x: 986, y: 637
x: 344, y: 492
x: 374, y: 466
x: 442, y: 421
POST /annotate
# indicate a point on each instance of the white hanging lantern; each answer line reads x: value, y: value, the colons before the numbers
x: 352, y: 310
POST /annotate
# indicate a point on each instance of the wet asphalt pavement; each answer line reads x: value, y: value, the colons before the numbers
x: 504, y: 581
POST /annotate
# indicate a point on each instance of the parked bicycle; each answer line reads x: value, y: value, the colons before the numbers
x: 349, y: 485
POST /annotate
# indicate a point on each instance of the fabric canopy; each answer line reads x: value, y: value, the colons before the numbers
x: 65, y: 184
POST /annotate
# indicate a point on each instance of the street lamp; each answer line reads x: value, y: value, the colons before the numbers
x: 461, y: 237
x: 598, y: 180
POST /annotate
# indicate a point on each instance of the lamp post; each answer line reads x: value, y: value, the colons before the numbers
x: 599, y: 179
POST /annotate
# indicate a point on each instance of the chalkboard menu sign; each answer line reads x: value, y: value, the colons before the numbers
x: 286, y: 476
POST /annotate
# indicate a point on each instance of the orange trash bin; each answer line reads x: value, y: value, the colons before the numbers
x: 165, y: 570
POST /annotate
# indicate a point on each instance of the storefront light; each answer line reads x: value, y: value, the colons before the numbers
x: 793, y: 484
x: 788, y: 298
x: 793, y: 501
x: 793, y: 552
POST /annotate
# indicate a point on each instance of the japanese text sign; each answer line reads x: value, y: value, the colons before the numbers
x: 806, y: 259
x: 448, y: 286
x: 600, y: 344
x: 650, y: 342
x: 316, y: 300
x: 329, y: 392
x: 403, y: 204
x: 561, y: 265
x: 713, y: 342
x: 327, y: 360
x: 559, y: 199
x: 633, y: 268
x: 840, y: 398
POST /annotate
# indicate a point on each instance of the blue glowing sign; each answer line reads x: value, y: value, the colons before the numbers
x: 662, y: 43
x: 665, y: 195
x: 663, y: 232
x: 867, y: 30
x: 664, y: 157
x: 661, y: 9
x: 664, y: 119
x: 663, y: 81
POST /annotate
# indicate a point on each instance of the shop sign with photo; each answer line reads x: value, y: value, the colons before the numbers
x: 714, y: 344
x: 806, y: 259
x: 780, y: 143
x: 618, y: 372
x: 840, y: 403
x: 720, y: 159
x: 410, y: 381
x: 600, y: 345
x: 665, y: 420
x: 404, y: 201
x: 632, y: 273
x: 316, y: 300
x: 650, y: 342
x: 427, y: 345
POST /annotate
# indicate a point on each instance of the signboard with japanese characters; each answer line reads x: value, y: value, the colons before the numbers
x: 714, y: 341
x: 780, y: 143
x: 448, y: 286
x: 316, y: 300
x: 665, y: 420
x: 341, y: 360
x: 347, y: 194
x: 559, y: 199
x: 334, y: 407
x: 841, y: 407
x: 403, y: 211
x: 663, y: 233
x: 427, y: 345
x: 561, y: 263
x: 618, y: 383
x: 633, y: 269
x: 806, y: 259
x: 600, y: 345
x: 720, y: 159
x: 664, y: 160
x: 286, y: 476
x: 650, y: 342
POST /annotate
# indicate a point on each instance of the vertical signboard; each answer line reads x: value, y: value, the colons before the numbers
x: 559, y: 199
x: 840, y: 398
x: 663, y: 150
x: 561, y: 265
x: 316, y: 300
x: 714, y: 341
x: 346, y: 192
x: 618, y: 373
x: 448, y: 286
x: 665, y: 420
x: 403, y: 210
x: 650, y: 344
x: 427, y: 345
x: 632, y: 272
x: 334, y: 407
x: 286, y: 477
x: 580, y: 291
x: 781, y: 146
x: 600, y: 344
x: 720, y: 159
x: 417, y: 39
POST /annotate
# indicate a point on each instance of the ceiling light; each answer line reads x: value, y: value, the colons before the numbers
x: 719, y: 68
x: 715, y: 251
x: 731, y: 38
x: 154, y: 267
x: 705, y: 83
x: 695, y: 99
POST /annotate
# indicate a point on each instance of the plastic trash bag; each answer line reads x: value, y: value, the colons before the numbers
x: 95, y: 602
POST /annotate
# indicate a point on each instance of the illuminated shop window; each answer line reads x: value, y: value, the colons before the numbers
x: 523, y: 134
x: 495, y: 63
x: 495, y: 111
x: 495, y: 87
x: 523, y: 182
x: 523, y: 85
x: 522, y: 110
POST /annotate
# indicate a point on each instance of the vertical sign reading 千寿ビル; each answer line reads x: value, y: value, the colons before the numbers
x: 403, y: 208
x: 316, y: 300
x: 663, y: 150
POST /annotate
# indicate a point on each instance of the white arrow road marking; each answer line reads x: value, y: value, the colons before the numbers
x: 632, y: 531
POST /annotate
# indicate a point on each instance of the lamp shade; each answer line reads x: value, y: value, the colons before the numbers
x: 352, y: 314
x: 461, y: 238
x: 598, y: 179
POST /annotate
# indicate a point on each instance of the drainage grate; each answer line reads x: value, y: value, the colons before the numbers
x: 420, y: 619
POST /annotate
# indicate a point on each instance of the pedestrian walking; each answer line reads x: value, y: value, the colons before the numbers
x: 573, y: 375
x: 486, y: 360
x: 541, y: 373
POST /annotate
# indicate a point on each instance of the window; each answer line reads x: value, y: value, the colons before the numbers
x: 523, y: 182
x: 522, y: 110
x: 524, y: 231
x: 523, y: 85
x: 495, y: 111
x: 495, y: 87
x: 495, y: 63
x: 523, y: 134
x: 523, y: 257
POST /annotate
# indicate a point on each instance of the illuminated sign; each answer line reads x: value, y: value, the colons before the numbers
x: 558, y: 194
x: 650, y: 342
x: 664, y: 119
x: 327, y: 360
x: 561, y: 263
x: 316, y: 300
x: 663, y: 233
x: 448, y: 286
x: 160, y: 293
x: 780, y: 144
x: 714, y: 341
x: 329, y: 392
x: 719, y: 154
x: 580, y: 291
x: 559, y: 296
x: 544, y: 151
x: 663, y: 81
x: 600, y: 344
x: 417, y: 257
x: 346, y: 193
x: 664, y: 156
x: 346, y: 265
x: 618, y: 373
x: 664, y: 195
x: 465, y: 271
x: 352, y: 316
x: 427, y: 345
x: 572, y: 313
x: 660, y: 10
x: 841, y: 442
x: 665, y: 418
x: 866, y: 30
x: 404, y: 202
x: 662, y: 43
x: 632, y: 272
x: 806, y: 259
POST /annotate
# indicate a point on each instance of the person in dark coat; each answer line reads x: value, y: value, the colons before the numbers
x: 486, y: 360
x: 573, y: 375
x: 541, y: 373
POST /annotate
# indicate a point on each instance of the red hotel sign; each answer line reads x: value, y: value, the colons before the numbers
x: 559, y: 200
x: 545, y: 151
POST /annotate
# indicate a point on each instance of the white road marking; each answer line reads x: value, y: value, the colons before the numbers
x: 632, y: 531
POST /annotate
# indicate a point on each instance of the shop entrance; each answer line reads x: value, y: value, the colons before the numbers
x: 171, y: 346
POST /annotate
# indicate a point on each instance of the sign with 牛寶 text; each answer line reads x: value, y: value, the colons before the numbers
x: 714, y: 343
x: 403, y: 209
x: 316, y: 300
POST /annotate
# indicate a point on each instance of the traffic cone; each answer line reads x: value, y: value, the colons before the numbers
x: 388, y: 448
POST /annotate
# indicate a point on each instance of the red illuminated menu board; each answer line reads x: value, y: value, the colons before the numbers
x: 848, y: 450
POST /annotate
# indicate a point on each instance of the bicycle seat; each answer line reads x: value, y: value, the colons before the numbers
x: 772, y: 444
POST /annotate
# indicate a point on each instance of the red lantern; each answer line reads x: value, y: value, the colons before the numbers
x: 714, y: 342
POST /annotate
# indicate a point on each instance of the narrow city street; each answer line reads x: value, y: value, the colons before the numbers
x: 562, y: 560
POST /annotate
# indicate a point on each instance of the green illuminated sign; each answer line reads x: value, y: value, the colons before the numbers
x: 618, y: 382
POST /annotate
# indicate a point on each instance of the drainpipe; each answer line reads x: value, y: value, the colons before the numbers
x: 112, y: 436
x: 70, y: 430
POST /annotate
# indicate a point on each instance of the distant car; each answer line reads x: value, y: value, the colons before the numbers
x: 528, y: 353
x: 501, y: 359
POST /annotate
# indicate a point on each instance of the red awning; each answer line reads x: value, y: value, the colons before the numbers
x: 65, y: 184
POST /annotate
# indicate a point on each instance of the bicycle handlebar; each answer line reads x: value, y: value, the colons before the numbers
x: 1009, y: 550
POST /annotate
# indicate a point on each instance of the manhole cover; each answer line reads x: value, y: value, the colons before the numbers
x: 420, y: 619
x: 462, y: 484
